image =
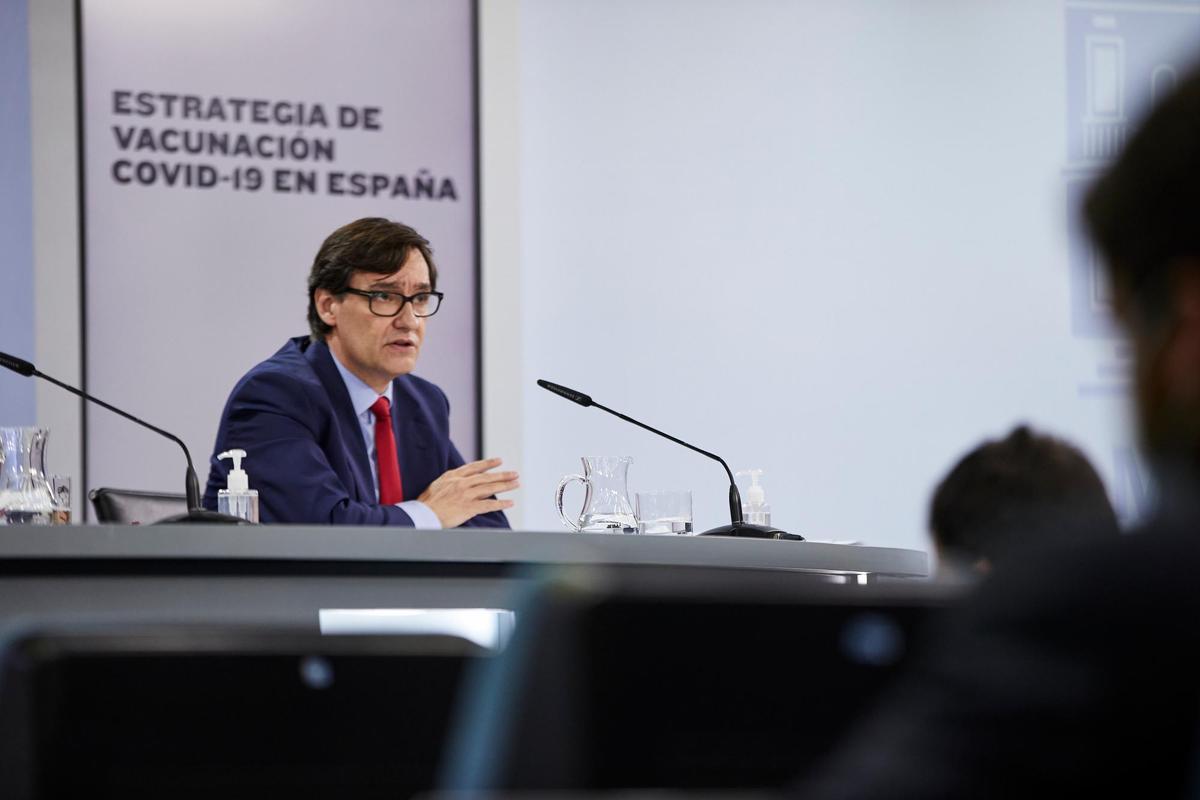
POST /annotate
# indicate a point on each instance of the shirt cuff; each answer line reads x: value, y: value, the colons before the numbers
x: 422, y: 515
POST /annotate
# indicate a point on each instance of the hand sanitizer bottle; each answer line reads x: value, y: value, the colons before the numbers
x: 237, y: 498
x: 754, y: 505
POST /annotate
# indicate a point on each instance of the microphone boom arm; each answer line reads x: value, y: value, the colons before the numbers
x: 192, y: 482
x: 735, y: 498
x: 195, y: 512
x: 738, y: 526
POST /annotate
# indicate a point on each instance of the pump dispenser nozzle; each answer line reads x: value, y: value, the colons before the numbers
x: 755, y: 494
x: 237, y: 481
x: 755, y: 509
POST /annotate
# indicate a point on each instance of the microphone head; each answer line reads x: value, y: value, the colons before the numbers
x: 17, y: 365
x: 563, y: 391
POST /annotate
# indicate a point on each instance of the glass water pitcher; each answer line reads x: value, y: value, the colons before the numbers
x: 606, y: 505
x: 25, y: 494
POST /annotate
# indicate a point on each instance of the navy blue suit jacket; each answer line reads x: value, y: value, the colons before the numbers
x: 304, y: 447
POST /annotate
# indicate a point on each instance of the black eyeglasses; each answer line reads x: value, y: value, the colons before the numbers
x: 389, y: 304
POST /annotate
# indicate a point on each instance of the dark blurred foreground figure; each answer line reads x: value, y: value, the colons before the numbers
x: 1076, y: 673
x: 1011, y: 496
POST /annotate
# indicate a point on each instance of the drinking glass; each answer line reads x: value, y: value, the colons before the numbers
x: 666, y: 511
x: 60, y: 487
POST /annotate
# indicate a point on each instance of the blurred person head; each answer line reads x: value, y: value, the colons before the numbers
x: 1009, y: 495
x: 1144, y: 216
x: 360, y: 277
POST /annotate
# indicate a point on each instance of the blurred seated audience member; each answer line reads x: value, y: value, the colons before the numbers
x: 1077, y: 673
x: 1011, y: 495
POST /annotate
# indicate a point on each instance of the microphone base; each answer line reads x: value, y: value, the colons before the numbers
x: 747, y: 531
x: 201, y: 516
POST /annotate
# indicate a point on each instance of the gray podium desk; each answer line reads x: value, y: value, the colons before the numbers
x: 285, y: 574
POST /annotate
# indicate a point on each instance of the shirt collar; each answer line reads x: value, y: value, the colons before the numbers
x: 362, y: 397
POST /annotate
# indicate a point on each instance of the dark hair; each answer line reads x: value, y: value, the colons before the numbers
x: 1022, y: 491
x: 371, y: 244
x: 1144, y: 212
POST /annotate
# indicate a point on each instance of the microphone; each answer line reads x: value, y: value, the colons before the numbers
x: 737, y: 526
x: 195, y: 512
x: 17, y: 365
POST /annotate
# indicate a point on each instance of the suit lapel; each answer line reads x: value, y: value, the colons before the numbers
x: 412, y: 438
x: 321, y: 359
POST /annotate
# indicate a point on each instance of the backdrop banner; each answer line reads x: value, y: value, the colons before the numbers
x: 223, y: 142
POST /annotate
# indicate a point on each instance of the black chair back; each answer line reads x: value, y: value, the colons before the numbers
x: 132, y: 507
x: 658, y: 681
x: 225, y: 713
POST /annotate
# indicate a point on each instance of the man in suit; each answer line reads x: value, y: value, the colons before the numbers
x: 1076, y: 672
x: 335, y: 427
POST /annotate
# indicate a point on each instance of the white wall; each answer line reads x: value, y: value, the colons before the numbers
x: 56, y: 232
x: 500, y: 232
x: 16, y: 226
x: 827, y: 239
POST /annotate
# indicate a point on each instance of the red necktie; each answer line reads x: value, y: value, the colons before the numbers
x: 391, y: 491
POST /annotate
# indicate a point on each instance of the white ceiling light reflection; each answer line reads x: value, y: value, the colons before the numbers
x: 486, y: 627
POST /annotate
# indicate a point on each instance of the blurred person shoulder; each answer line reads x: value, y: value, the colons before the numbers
x: 1071, y: 670
x: 1152, y: 567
